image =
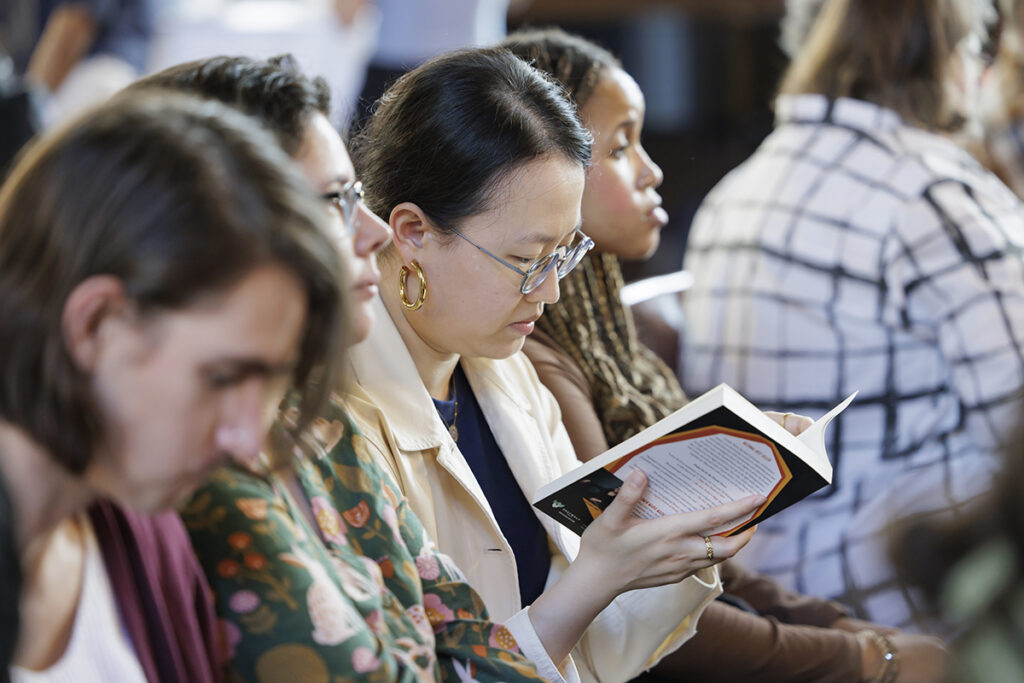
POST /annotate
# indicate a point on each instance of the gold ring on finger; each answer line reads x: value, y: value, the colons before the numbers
x: 710, y: 548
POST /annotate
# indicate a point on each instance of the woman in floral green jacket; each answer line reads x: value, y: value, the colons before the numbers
x: 321, y: 572
x: 301, y: 598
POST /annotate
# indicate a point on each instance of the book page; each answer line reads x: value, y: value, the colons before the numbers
x: 702, y: 468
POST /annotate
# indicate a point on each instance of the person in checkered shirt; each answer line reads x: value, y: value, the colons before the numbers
x: 859, y: 248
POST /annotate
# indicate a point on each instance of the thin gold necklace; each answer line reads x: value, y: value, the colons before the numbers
x: 452, y: 429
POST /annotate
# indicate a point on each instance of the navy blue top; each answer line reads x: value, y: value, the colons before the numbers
x: 515, y: 517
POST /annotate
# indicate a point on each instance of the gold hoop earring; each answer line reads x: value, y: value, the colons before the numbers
x: 421, y: 296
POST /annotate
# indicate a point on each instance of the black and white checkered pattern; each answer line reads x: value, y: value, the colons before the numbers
x: 854, y: 252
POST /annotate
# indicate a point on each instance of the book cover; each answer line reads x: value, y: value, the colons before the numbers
x: 717, y: 448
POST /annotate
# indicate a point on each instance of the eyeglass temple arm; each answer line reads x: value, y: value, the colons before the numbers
x: 493, y: 256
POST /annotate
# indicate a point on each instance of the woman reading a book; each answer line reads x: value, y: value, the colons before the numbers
x: 610, y: 386
x: 320, y: 569
x: 477, y: 162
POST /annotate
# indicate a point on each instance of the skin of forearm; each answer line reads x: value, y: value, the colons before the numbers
x: 563, y: 612
x: 69, y: 33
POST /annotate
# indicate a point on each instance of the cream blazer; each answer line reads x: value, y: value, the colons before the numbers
x: 394, y: 411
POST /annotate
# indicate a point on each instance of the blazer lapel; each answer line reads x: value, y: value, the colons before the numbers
x: 518, y: 430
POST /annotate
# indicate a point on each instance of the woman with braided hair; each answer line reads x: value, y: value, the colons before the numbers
x: 630, y: 386
x: 610, y: 386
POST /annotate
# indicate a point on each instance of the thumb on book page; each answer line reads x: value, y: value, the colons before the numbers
x: 629, y: 494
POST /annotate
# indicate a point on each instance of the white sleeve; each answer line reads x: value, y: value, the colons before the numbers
x: 640, y: 627
x: 521, y: 628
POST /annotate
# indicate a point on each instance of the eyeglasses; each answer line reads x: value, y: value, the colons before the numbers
x: 346, y: 201
x: 561, y: 260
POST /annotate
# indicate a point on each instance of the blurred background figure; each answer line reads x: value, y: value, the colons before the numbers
x: 860, y: 248
x: 19, y: 113
x: 970, y: 570
x: 1002, y: 101
x: 709, y: 66
x: 410, y: 33
x: 78, y: 52
x: 311, y: 30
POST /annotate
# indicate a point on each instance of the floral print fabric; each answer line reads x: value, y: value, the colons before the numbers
x: 363, y: 596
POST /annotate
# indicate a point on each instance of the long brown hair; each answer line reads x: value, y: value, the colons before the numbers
x: 1009, y: 61
x: 178, y: 199
x: 893, y: 53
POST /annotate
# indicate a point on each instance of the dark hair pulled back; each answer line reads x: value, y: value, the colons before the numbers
x: 445, y: 135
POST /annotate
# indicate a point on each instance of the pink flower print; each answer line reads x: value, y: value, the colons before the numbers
x: 330, y: 522
x: 452, y: 571
x: 437, y: 612
x: 418, y: 616
x: 364, y: 660
x: 244, y: 601
x: 502, y: 639
x: 427, y: 567
x: 375, y: 620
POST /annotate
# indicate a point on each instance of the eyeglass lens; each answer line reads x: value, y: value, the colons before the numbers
x: 346, y: 200
x: 563, y: 262
x: 351, y: 196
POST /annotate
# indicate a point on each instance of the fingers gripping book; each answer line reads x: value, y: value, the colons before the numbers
x: 716, y: 449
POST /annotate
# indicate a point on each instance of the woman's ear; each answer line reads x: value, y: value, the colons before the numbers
x: 410, y: 227
x: 93, y: 302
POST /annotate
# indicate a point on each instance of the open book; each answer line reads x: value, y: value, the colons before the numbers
x: 716, y: 449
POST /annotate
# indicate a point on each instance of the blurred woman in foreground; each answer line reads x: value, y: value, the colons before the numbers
x: 165, y: 276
